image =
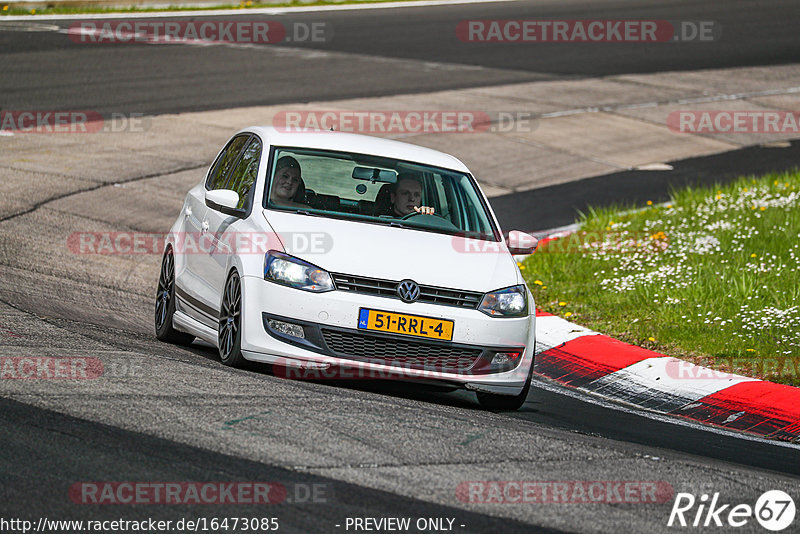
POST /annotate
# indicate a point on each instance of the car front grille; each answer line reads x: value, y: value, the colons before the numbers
x: 399, y: 352
x: 388, y: 288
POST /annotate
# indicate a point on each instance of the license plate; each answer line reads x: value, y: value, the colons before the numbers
x: 409, y: 325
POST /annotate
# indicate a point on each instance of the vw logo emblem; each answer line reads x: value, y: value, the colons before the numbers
x: 408, y: 290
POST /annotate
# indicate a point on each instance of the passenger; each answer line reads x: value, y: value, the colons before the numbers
x: 288, y: 188
x: 406, y: 196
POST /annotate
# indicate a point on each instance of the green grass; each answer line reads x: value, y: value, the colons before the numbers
x: 8, y: 9
x: 712, y: 276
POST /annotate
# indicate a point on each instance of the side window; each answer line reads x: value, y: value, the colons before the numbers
x: 216, y: 178
x: 244, y: 176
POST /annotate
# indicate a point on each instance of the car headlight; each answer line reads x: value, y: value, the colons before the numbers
x: 508, y: 302
x: 294, y: 272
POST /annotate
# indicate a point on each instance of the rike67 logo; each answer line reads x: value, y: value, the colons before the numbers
x: 774, y: 510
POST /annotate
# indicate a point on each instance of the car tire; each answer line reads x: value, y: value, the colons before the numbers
x: 505, y: 403
x: 230, y: 323
x: 165, y: 304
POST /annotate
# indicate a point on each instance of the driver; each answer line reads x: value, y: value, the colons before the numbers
x: 406, y: 196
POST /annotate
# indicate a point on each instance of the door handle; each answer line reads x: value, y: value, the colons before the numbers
x: 204, y: 227
x: 187, y: 212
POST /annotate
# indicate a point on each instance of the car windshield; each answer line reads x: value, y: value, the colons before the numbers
x: 377, y: 190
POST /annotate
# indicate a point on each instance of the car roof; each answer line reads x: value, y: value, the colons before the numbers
x: 361, y: 144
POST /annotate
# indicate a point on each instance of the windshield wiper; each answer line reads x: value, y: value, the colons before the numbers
x: 386, y: 221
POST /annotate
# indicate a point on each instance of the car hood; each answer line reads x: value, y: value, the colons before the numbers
x: 392, y: 253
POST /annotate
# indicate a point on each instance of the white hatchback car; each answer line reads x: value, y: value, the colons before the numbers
x: 320, y: 250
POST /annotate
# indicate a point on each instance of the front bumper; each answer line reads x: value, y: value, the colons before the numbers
x: 332, y: 339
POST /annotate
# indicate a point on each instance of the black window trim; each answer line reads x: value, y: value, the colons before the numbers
x: 251, y: 136
x: 496, y: 231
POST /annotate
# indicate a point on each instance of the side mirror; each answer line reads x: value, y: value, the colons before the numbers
x: 224, y: 200
x: 520, y: 243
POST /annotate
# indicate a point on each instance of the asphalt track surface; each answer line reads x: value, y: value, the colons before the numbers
x: 556, y: 206
x: 376, y: 52
x: 379, y: 450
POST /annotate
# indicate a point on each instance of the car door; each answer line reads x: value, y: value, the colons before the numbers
x: 201, y: 295
x: 187, y: 247
x: 221, y: 228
